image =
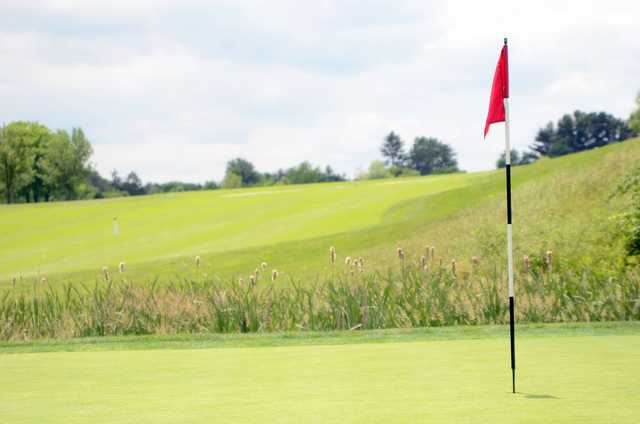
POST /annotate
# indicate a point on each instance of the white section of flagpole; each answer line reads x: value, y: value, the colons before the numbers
x: 507, y: 143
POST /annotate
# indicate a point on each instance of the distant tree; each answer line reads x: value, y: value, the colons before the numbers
x: 430, y: 156
x: 393, y: 150
x: 544, y: 140
x: 116, y: 181
x: 245, y: 170
x: 210, y: 185
x: 103, y: 187
x: 133, y: 185
x: 66, y: 162
x: 304, y: 173
x: 516, y: 158
x: 634, y: 119
x: 17, y: 154
x: 578, y: 132
x: 331, y: 176
x: 231, y: 180
x: 377, y: 170
x: 40, y: 136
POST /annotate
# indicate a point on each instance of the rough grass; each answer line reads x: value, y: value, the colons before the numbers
x: 586, y: 374
x: 561, y: 205
x: 405, y: 298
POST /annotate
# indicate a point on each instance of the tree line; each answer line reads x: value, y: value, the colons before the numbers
x: 242, y: 173
x: 577, y: 132
x: 39, y: 164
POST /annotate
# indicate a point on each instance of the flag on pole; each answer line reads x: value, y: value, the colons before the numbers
x: 499, y: 112
x: 499, y: 91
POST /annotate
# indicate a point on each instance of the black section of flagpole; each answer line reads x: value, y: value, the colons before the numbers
x: 511, y: 300
x: 513, y: 343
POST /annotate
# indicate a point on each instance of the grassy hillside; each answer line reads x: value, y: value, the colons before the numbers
x: 560, y: 204
x: 444, y: 375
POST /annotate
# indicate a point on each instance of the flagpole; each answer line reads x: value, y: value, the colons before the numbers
x: 509, y: 241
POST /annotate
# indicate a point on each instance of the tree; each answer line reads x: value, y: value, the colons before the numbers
x: 634, y: 119
x: 578, y: 132
x: 544, y: 140
x: 430, y: 156
x: 210, y: 185
x: 245, y: 170
x: 133, y: 185
x: 231, y: 180
x: 377, y: 170
x: 304, y: 173
x: 38, y: 137
x: 66, y: 162
x: 16, y: 158
x: 516, y: 158
x: 331, y: 176
x: 393, y: 149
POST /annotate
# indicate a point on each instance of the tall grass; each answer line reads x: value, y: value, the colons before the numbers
x: 410, y: 297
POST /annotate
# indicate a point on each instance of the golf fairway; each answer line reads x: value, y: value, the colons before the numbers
x: 578, y: 378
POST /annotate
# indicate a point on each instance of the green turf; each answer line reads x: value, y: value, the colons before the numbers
x: 291, y: 227
x: 576, y: 373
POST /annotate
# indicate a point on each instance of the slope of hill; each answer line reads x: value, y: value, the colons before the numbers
x: 561, y: 205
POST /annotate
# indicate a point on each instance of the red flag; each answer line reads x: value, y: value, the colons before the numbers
x: 499, y: 91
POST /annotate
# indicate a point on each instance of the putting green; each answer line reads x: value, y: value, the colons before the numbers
x: 563, y: 377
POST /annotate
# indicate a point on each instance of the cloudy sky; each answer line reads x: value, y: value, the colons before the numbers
x: 174, y: 89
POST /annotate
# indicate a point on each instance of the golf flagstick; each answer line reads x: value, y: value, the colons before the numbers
x: 512, y: 335
x: 499, y: 112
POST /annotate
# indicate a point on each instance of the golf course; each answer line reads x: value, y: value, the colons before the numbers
x: 285, y: 212
x: 122, y: 350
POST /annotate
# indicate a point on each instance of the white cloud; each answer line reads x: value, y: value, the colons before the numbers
x: 175, y: 89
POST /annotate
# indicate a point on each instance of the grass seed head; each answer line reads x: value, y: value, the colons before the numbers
x: 121, y: 267
x: 400, y: 252
x: 105, y: 273
x: 549, y: 259
x: 198, y: 261
x: 252, y: 279
x: 525, y: 263
x: 274, y: 275
x: 423, y: 261
x: 263, y: 265
x: 332, y: 255
x: 433, y: 252
x: 347, y: 260
x: 453, y: 266
x: 475, y: 260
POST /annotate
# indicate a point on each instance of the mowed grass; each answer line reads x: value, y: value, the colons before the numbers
x: 575, y: 373
x: 48, y: 239
x: 561, y: 204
